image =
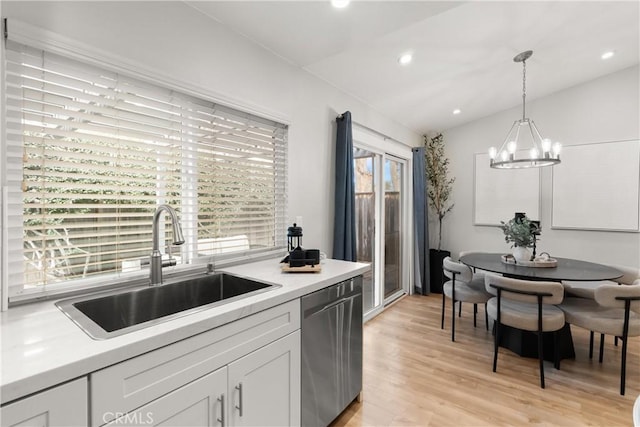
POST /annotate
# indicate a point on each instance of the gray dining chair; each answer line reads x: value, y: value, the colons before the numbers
x: 587, y: 289
x: 615, y: 311
x: 477, y: 282
x: 461, y: 289
x: 526, y: 305
x: 475, y: 270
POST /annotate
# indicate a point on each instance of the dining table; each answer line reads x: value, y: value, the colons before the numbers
x: 522, y: 342
x: 566, y: 268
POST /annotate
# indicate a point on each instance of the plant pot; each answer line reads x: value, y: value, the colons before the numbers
x: 436, y: 274
x: 521, y: 254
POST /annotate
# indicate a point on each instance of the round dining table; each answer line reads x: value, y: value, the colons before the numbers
x: 522, y: 342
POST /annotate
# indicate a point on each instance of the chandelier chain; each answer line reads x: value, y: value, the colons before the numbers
x: 524, y: 87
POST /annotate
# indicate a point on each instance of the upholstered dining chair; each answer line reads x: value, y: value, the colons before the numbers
x: 463, y: 253
x: 461, y: 289
x: 478, y: 279
x: 587, y: 289
x: 526, y: 305
x: 615, y: 311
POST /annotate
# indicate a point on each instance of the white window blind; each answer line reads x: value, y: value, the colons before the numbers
x: 92, y: 153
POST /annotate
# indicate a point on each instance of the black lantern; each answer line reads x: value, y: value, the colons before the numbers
x: 534, y: 226
x: 294, y: 237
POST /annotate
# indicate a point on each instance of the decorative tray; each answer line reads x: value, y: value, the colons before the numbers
x: 538, y: 262
x: 304, y: 269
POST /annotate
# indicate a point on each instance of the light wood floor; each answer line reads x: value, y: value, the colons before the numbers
x: 415, y: 376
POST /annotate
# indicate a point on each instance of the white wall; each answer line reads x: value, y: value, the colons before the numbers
x: 175, y: 40
x: 605, y: 109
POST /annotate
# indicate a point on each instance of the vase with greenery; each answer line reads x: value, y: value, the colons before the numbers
x: 521, y: 233
x: 439, y: 184
x: 439, y: 187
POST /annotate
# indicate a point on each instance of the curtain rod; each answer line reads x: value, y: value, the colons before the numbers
x: 384, y: 137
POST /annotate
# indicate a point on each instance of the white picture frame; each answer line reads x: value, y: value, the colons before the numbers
x: 597, y: 187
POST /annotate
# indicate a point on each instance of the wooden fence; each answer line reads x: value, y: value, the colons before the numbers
x: 365, y: 226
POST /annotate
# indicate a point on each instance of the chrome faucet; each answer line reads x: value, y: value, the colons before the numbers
x: 156, y: 257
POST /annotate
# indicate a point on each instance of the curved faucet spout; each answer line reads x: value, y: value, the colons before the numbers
x: 178, y: 239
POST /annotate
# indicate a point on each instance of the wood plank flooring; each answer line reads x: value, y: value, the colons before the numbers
x: 415, y: 376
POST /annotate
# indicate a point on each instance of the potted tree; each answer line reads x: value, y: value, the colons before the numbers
x: 439, y: 187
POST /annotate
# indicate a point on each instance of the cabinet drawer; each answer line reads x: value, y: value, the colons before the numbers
x: 128, y: 385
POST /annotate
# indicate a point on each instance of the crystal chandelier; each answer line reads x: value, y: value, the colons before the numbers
x: 524, y: 134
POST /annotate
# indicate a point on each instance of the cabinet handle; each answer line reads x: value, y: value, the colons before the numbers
x: 221, y: 419
x: 239, y: 406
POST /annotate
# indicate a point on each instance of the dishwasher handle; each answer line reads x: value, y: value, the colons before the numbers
x: 334, y: 303
x: 321, y: 309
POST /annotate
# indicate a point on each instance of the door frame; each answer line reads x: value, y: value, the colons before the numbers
x: 404, y: 236
x: 386, y: 147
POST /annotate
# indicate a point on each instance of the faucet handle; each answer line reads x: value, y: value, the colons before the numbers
x: 210, y: 268
x: 171, y: 262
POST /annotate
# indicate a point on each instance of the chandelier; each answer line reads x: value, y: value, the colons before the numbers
x: 524, y: 134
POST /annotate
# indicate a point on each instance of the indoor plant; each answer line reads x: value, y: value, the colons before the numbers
x: 439, y: 187
x: 521, y: 232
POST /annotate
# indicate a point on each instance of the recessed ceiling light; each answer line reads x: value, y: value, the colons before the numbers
x: 405, y: 58
x: 340, y: 4
x: 608, y: 54
x: 456, y: 111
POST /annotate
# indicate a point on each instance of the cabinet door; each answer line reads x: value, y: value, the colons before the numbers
x: 64, y: 405
x: 198, y: 404
x: 265, y: 385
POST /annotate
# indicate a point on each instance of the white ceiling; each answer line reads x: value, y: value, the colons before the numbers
x: 463, y: 51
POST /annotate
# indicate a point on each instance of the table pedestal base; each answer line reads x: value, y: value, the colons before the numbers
x: 525, y: 343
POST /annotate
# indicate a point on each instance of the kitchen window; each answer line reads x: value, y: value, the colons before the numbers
x: 91, y: 153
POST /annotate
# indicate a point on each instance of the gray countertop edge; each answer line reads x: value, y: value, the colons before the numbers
x: 41, y: 347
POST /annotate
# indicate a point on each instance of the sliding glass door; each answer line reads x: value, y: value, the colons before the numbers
x: 380, y: 185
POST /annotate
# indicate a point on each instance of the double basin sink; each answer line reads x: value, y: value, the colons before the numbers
x: 119, y: 312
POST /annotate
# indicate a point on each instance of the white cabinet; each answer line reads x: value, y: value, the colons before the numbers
x: 64, y: 405
x: 259, y: 389
x: 260, y: 358
x: 265, y: 385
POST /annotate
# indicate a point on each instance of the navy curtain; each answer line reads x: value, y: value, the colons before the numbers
x: 420, y: 228
x: 344, y: 228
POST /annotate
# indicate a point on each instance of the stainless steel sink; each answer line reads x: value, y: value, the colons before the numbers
x: 120, y: 312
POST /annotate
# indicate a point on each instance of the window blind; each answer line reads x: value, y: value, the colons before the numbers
x: 92, y: 153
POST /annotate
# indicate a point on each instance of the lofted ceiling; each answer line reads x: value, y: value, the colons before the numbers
x: 462, y: 51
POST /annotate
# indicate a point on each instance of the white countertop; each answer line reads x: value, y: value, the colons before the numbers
x: 41, y: 347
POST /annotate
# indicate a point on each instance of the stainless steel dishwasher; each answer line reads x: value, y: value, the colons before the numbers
x: 331, y: 351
